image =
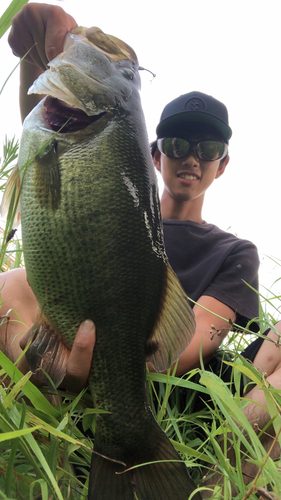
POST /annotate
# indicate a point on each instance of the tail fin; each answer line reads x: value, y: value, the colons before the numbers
x: 167, y: 479
x: 106, y: 482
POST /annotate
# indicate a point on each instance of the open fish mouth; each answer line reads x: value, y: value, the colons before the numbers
x: 65, y: 118
x: 94, y: 74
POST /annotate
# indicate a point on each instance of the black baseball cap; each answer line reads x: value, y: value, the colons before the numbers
x: 191, y: 109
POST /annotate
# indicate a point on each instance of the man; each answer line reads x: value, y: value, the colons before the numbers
x: 191, y: 152
x: 212, y: 265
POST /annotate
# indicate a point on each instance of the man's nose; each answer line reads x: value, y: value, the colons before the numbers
x: 191, y: 159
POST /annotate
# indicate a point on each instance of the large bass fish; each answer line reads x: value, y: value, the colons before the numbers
x: 93, y: 247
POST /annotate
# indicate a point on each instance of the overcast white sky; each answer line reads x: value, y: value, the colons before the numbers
x: 227, y: 48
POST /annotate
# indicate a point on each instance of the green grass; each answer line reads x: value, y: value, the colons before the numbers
x: 40, y: 442
x: 6, y: 18
x: 204, y: 438
x: 11, y: 255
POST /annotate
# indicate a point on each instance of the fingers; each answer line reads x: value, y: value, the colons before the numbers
x: 28, y: 34
x: 79, y: 362
x: 40, y: 29
x: 58, y: 24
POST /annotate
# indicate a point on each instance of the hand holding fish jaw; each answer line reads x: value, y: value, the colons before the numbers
x: 79, y: 361
x: 41, y: 28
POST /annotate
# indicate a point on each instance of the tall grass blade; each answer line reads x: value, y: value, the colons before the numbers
x: 6, y: 18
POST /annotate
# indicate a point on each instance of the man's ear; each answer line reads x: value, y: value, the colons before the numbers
x: 222, y: 167
x: 156, y: 160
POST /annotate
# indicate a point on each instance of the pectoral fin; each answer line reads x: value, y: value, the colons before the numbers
x: 47, y: 180
x: 174, y: 327
x: 47, y: 353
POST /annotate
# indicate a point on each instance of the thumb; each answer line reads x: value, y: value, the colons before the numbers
x: 80, y: 358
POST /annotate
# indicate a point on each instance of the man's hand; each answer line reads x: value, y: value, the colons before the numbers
x: 41, y: 28
x: 79, y: 361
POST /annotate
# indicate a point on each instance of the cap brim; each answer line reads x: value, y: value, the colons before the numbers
x: 173, y: 123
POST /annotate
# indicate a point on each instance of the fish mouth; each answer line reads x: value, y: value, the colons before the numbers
x: 65, y: 118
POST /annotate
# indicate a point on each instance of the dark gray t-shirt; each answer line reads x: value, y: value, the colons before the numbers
x: 209, y: 261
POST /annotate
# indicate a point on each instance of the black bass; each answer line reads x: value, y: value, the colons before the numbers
x: 93, y: 247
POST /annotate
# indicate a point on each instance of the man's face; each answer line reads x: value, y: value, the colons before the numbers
x: 189, y: 177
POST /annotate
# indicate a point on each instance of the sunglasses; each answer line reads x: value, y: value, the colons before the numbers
x: 174, y: 147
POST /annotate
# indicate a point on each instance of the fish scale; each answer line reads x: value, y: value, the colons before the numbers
x: 93, y: 247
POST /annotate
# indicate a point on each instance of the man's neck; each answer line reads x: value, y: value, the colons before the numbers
x: 181, y: 210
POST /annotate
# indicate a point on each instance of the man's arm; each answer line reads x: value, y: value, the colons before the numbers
x: 211, y: 330
x: 38, y: 30
x: 18, y: 313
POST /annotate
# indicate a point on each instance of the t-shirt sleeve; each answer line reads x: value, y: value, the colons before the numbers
x: 236, y: 284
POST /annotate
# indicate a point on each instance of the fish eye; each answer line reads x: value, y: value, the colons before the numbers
x: 128, y: 73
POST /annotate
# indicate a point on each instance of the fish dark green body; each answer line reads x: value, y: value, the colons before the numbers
x: 93, y: 246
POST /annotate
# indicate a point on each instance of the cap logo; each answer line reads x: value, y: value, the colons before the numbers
x: 195, y: 104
